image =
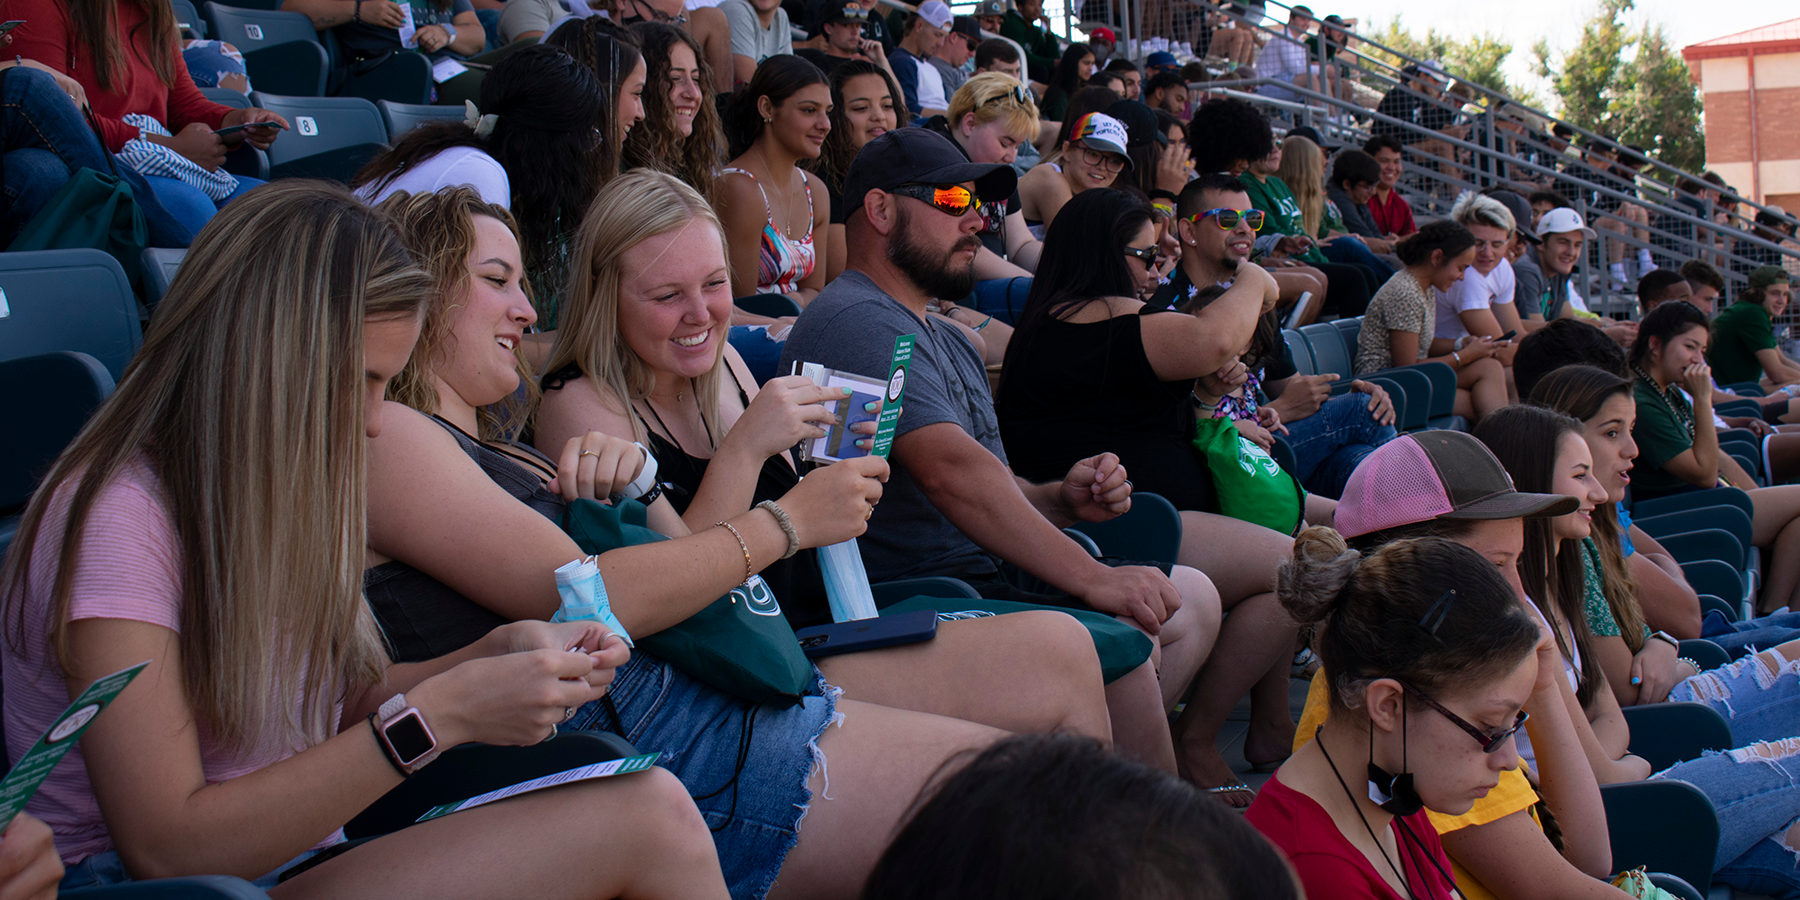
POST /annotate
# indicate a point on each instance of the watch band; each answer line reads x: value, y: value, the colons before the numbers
x: 1672, y: 640
x: 450, y: 30
x: 395, y: 712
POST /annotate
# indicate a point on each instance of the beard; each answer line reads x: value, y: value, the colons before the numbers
x: 931, y: 272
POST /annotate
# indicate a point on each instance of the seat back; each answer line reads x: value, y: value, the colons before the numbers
x: 227, y: 97
x: 332, y: 137
x: 1668, y: 733
x: 1149, y: 531
x: 188, y: 17
x: 1349, y: 330
x: 1330, y: 352
x: 401, y: 118
x: 1710, y: 576
x: 160, y: 266
x: 77, y: 300
x: 1296, y: 344
x: 1664, y: 824
x: 47, y: 398
x: 250, y: 30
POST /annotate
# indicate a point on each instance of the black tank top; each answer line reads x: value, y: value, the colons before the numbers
x: 423, y: 618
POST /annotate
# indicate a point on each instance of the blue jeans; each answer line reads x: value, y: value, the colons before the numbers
x: 189, y: 204
x: 1755, y: 790
x: 761, y: 353
x: 1329, y: 443
x: 35, y: 115
x: 1003, y: 298
x: 1351, y: 250
x: 209, y: 63
x: 1740, y: 638
x: 1761, y: 705
x: 107, y: 868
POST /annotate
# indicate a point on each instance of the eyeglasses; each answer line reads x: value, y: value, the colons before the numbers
x: 1018, y: 95
x: 1489, y: 742
x: 1111, y: 162
x: 1148, y: 255
x: 950, y: 199
x: 1228, y: 218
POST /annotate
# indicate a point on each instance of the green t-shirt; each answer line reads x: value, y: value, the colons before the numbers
x: 1739, y: 331
x: 1661, y: 435
x: 1333, y: 220
x: 1599, y: 613
x: 1274, y: 198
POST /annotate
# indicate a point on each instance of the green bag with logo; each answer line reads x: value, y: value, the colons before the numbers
x: 1249, y: 483
x: 741, y: 644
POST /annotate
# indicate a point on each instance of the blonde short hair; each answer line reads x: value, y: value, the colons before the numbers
x: 991, y: 96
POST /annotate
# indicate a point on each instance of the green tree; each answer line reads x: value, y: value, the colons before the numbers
x: 1476, y: 60
x: 1630, y: 85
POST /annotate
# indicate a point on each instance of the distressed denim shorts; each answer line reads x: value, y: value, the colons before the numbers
x: 746, y: 766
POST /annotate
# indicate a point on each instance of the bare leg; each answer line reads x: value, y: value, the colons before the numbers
x: 877, y: 760
x: 1141, y: 701
x: 1776, y: 528
x: 1240, y: 558
x: 636, y: 836
x: 1029, y: 672
x: 1480, y: 388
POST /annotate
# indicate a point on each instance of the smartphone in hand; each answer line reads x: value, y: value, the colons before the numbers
x: 234, y: 129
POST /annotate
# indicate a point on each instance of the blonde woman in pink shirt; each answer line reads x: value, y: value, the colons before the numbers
x: 210, y: 519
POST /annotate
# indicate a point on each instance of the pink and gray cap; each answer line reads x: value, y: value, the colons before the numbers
x: 1435, y: 475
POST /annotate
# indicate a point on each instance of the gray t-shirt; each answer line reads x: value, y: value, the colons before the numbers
x: 521, y: 16
x: 953, y: 77
x: 851, y: 326
x: 749, y: 38
x: 1528, y: 284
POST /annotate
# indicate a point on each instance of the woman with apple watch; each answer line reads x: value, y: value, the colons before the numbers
x: 210, y: 519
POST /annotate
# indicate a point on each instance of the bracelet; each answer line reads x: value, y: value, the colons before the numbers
x: 749, y: 570
x: 1456, y: 357
x: 787, y: 526
x: 388, y: 752
x: 356, y: 17
x: 1696, y: 665
x: 985, y: 323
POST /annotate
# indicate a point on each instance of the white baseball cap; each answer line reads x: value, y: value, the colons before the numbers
x: 1563, y: 219
x: 1102, y: 132
x: 937, y: 12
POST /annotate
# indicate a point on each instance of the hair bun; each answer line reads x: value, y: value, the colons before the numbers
x: 1309, y: 583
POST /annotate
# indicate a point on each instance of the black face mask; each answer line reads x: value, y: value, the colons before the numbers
x: 1394, y: 793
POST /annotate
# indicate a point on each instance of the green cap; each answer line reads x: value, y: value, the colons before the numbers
x: 1763, y: 276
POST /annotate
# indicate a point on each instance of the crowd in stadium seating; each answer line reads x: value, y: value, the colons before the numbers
x: 1194, y: 411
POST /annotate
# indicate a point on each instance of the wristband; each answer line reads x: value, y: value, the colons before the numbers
x: 787, y: 526
x: 356, y: 17
x: 450, y: 30
x: 1671, y: 639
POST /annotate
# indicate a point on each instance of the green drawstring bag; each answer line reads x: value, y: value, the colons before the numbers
x: 1249, y: 483
x: 741, y: 644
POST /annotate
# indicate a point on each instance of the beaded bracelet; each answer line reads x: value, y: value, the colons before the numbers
x: 787, y: 526
x: 749, y: 569
x: 1695, y: 664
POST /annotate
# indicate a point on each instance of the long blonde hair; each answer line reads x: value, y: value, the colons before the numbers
x: 247, y: 401
x: 636, y: 206
x: 1304, y: 172
x: 439, y: 228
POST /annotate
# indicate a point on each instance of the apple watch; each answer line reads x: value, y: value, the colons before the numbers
x: 1672, y: 640
x: 404, y: 736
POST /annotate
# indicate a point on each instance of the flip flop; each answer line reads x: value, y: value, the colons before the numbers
x: 1238, y: 788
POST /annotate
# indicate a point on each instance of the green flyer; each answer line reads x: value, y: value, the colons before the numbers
x: 896, y: 388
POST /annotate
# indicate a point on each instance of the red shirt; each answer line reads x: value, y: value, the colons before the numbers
x: 1393, y: 216
x: 1330, y: 868
x: 49, y: 37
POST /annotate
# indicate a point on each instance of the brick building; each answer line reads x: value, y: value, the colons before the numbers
x: 1750, y: 83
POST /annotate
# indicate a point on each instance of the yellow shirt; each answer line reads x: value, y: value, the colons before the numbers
x: 1512, y: 794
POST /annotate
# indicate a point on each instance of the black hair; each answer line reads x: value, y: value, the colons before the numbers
x: 1445, y: 235
x: 1166, y: 120
x: 1562, y: 130
x: 1087, y: 100
x: 1699, y: 271
x: 1065, y: 80
x: 1355, y: 167
x: 1382, y: 142
x: 1563, y: 342
x: 1664, y: 323
x: 548, y: 106
x: 1556, y: 200
x: 1427, y: 611
x: 1233, y: 131
x: 1650, y: 288
x: 1524, y: 438
x: 1188, y: 203
x: 1105, y: 79
x: 1083, y: 261
x: 1121, y: 64
x: 1053, y: 817
x: 1163, y: 81
x: 778, y: 78
x: 992, y: 49
x: 834, y: 159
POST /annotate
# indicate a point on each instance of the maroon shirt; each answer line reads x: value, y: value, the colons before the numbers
x: 1393, y: 217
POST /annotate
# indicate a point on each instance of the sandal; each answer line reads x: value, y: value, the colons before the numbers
x: 1238, y: 788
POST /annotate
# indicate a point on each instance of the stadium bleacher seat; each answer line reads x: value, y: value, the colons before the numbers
x: 404, y: 117
x: 1150, y: 530
x: 188, y: 17
x: 1665, y: 824
x: 77, y: 300
x: 160, y: 266
x: 47, y: 398
x: 193, y: 887
x: 332, y: 137
x: 281, y: 50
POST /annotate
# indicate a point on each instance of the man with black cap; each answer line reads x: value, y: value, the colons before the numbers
x: 842, y: 26
x: 952, y: 506
x: 954, y: 51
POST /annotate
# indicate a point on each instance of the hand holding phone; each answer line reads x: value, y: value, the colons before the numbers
x: 10, y: 24
x: 1507, y: 336
x: 234, y: 129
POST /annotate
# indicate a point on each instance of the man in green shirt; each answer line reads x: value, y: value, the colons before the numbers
x: 1041, y: 48
x: 1744, y: 347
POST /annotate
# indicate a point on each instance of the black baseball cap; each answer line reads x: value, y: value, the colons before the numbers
x: 1140, y: 123
x: 1521, y: 213
x: 918, y: 156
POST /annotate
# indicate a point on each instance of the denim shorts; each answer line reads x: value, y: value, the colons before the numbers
x: 746, y: 766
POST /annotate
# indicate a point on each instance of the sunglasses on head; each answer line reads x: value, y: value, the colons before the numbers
x: 1228, y: 218
x: 951, y: 199
x: 1147, y: 254
x: 1489, y: 742
x: 1018, y: 95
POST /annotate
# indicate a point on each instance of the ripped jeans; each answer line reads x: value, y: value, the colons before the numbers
x: 1759, y: 694
x: 1756, y: 794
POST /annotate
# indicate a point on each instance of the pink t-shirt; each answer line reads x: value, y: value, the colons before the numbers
x: 129, y: 568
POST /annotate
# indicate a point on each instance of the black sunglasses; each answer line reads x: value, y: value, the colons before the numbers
x: 1147, y: 254
x: 1489, y: 742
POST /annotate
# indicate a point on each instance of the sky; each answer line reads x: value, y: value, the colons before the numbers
x: 1522, y: 22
